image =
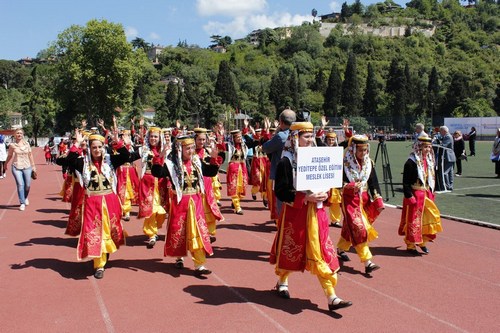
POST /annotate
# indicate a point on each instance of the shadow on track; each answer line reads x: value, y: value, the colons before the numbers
x: 54, y: 241
x: 236, y: 253
x: 219, y: 295
x: 266, y: 227
x: 53, y: 210
x: 67, y: 269
x: 55, y: 223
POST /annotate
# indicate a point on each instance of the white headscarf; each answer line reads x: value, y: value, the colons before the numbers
x: 416, y: 156
x: 353, y: 170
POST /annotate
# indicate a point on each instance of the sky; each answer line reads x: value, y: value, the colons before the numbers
x: 29, y: 26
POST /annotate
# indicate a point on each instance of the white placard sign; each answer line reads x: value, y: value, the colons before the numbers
x: 319, y: 168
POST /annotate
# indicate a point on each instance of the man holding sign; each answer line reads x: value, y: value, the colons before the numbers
x: 302, y: 240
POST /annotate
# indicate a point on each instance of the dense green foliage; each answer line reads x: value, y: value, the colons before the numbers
x: 391, y: 82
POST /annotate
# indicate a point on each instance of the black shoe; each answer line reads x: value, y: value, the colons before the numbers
x: 179, y: 264
x: 424, y: 249
x: 232, y: 205
x: 201, y: 272
x: 99, y: 273
x: 342, y: 304
x: 265, y: 203
x: 413, y: 252
x: 343, y: 256
x: 282, y: 293
x: 212, y: 239
x: 254, y: 197
x: 336, y: 224
x: 371, y: 267
x: 240, y: 212
x: 219, y: 204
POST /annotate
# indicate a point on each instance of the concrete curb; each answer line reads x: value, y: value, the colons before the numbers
x: 459, y: 219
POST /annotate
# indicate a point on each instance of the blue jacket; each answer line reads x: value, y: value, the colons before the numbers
x: 274, y: 147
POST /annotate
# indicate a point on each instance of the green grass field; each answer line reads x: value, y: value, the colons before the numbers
x: 476, y: 193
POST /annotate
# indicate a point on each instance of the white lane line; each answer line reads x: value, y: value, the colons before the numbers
x: 457, y: 272
x: 470, y: 244
x: 102, y: 307
x: 9, y: 202
x: 251, y: 304
x: 394, y: 299
x: 100, y: 301
x: 473, y: 188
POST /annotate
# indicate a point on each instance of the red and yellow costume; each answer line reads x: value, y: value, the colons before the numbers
x: 258, y: 171
x: 101, y: 232
x: 153, y: 192
x: 420, y: 217
x: 237, y: 174
x: 187, y: 229
x: 128, y: 181
x: 360, y: 205
x: 302, y: 241
x: 68, y: 184
x: 211, y: 209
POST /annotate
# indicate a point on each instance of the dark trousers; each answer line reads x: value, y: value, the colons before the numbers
x: 459, y: 166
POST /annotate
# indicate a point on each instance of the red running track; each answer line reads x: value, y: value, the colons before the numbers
x: 456, y: 288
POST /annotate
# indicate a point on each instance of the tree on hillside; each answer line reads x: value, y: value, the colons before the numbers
x: 457, y: 92
x: 225, y: 87
x: 357, y: 8
x: 39, y: 107
x: 345, y: 12
x: 294, y: 90
x: 319, y: 84
x: 97, y: 71
x: 279, y: 91
x: 139, y: 43
x: 171, y: 101
x: 396, y: 89
x: 332, y: 93
x: 370, y: 99
x: 433, y: 93
x: 12, y: 74
x: 304, y: 38
x: 351, y: 95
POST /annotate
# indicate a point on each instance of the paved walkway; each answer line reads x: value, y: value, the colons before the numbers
x: 43, y: 288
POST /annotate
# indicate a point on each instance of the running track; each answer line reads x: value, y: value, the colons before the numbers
x: 456, y: 288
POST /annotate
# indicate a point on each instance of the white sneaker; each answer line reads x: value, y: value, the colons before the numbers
x: 26, y: 202
x: 1, y: 177
x: 22, y: 207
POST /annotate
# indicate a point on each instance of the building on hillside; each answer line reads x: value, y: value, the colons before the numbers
x: 173, y: 79
x: 381, y: 31
x: 26, y: 61
x: 154, y: 52
x: 218, y: 49
x: 332, y: 16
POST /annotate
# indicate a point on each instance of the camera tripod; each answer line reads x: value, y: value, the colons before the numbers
x: 386, y: 167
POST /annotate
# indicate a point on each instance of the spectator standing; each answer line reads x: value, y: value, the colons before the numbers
x: 3, y: 156
x: 448, y: 158
x: 459, y: 149
x: 22, y: 166
x: 472, y: 141
x: 54, y: 148
x: 419, y: 131
x: 495, y: 153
